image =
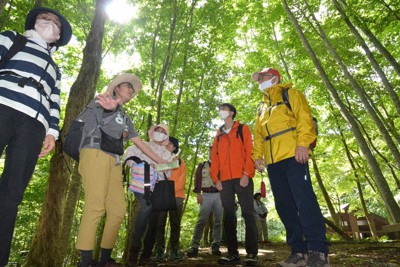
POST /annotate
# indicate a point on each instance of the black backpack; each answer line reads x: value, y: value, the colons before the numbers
x: 19, y: 43
x: 239, y: 132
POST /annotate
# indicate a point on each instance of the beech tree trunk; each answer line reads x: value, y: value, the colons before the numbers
x: 382, y: 49
x: 384, y: 190
x: 361, y: 93
x: 324, y: 192
x: 3, y: 4
x: 371, y: 58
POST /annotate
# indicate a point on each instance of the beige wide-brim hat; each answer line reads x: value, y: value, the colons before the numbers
x: 125, y: 78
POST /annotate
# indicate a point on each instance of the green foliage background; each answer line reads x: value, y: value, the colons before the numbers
x: 210, y: 54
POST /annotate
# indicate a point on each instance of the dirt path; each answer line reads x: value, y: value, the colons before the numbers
x: 342, y: 254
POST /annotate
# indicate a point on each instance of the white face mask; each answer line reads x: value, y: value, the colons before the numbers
x: 266, y: 84
x: 159, y: 137
x: 223, y: 114
x: 48, y: 30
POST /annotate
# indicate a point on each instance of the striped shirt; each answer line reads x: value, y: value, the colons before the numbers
x: 33, y: 61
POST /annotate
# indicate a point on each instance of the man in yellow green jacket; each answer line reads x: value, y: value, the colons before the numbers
x: 283, y: 133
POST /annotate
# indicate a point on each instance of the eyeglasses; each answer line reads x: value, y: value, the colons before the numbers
x: 48, y: 17
x: 128, y: 85
x: 261, y: 76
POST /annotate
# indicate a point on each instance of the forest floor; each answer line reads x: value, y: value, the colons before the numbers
x: 342, y: 254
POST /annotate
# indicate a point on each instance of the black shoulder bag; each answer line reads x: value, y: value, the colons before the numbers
x: 163, y: 196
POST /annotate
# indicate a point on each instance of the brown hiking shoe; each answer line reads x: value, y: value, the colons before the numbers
x: 317, y: 259
x: 294, y: 260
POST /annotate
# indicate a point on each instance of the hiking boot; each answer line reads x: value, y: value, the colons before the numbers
x: 294, y: 260
x: 175, y: 255
x: 230, y: 259
x: 317, y: 259
x: 159, y: 255
x: 192, y: 252
x: 215, y: 250
x: 251, y: 260
x: 93, y: 263
x: 133, y: 256
x: 144, y: 259
x: 110, y: 263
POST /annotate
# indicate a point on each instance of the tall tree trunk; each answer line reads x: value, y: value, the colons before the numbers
x: 324, y: 192
x: 45, y: 249
x: 167, y: 61
x: 381, y: 48
x: 385, y: 159
x: 3, y: 4
x: 371, y: 58
x: 69, y: 211
x: 153, y: 73
x: 182, y: 81
x: 361, y: 93
x: 370, y: 221
x: 133, y: 207
x: 355, y: 169
x: 281, y: 55
x: 384, y: 190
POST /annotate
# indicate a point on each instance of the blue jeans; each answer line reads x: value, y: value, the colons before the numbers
x: 23, y: 137
x: 141, y: 220
x: 211, y: 203
x: 297, y: 206
x: 245, y: 197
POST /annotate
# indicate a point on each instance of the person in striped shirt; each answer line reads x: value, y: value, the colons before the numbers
x: 29, y: 109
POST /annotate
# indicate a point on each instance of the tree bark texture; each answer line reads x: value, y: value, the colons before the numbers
x: 371, y: 58
x: 384, y: 190
x: 362, y: 94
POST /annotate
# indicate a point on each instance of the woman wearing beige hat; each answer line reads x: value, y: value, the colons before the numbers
x: 158, y: 135
x: 99, y: 164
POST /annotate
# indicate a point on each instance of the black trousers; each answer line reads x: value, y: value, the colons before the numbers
x: 245, y: 197
x: 155, y: 233
x: 21, y: 137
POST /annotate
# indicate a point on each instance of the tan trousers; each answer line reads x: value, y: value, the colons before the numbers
x: 104, y: 192
x: 262, y: 229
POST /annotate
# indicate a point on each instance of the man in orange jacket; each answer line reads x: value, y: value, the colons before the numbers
x: 232, y: 170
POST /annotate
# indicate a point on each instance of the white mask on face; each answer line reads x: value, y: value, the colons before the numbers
x: 48, y: 30
x: 223, y: 114
x: 266, y: 84
x: 159, y: 137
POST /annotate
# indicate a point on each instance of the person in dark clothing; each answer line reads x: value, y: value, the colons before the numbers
x: 29, y: 109
x: 232, y: 170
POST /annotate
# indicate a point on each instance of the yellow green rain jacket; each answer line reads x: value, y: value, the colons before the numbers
x: 278, y: 130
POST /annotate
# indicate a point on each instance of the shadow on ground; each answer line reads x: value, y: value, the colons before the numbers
x: 342, y: 254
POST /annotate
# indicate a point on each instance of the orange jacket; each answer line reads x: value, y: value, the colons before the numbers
x: 231, y: 157
x: 179, y: 176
